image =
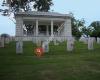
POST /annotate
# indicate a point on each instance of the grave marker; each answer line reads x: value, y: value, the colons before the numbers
x: 1, y: 42
x: 45, y: 46
x: 70, y: 44
x: 19, y: 47
x: 90, y: 44
x: 7, y: 40
x: 98, y: 40
x: 55, y: 41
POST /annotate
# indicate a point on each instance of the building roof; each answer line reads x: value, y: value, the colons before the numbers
x: 36, y: 13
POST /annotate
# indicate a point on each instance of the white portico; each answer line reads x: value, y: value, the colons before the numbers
x: 42, y: 25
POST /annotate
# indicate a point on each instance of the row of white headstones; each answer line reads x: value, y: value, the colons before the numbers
x: 70, y: 44
x: 45, y: 45
x: 4, y: 41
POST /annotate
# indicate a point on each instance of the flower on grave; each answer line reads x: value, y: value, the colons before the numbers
x: 39, y: 52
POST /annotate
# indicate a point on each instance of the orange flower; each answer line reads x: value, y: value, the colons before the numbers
x: 39, y: 52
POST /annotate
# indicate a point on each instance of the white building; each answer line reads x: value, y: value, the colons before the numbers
x: 43, y: 25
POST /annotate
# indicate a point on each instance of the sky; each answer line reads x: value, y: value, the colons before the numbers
x: 87, y: 9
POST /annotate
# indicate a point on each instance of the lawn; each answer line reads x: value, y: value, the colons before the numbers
x: 58, y: 64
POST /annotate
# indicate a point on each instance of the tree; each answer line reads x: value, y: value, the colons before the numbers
x: 26, y: 5
x: 43, y: 5
x: 77, y: 26
x: 4, y: 35
x: 95, y: 29
x: 16, y: 5
x: 86, y: 31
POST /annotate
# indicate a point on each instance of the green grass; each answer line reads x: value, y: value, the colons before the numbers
x: 58, y: 64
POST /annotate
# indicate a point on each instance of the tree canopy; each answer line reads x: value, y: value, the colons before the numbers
x: 26, y: 5
x: 77, y: 26
x: 95, y: 29
x: 5, y: 35
x: 43, y: 5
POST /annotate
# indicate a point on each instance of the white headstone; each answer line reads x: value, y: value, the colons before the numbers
x: 19, y: 47
x: 98, y: 40
x: 70, y: 44
x: 55, y: 41
x: 1, y: 42
x: 90, y: 43
x: 94, y: 39
x: 45, y: 46
x: 7, y: 40
x: 38, y: 43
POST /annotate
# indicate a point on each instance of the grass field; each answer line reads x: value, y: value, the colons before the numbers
x: 58, y: 64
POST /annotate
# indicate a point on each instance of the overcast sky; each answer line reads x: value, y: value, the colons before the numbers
x: 87, y: 9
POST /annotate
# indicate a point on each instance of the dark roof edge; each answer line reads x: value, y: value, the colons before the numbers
x: 42, y: 14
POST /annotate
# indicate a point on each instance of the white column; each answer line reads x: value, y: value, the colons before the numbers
x: 52, y: 28
x: 36, y: 27
x: 19, y: 35
x: 19, y: 27
x: 68, y: 28
x: 47, y: 30
x: 34, y: 30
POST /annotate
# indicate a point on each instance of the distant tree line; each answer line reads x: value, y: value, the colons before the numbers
x: 80, y: 29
